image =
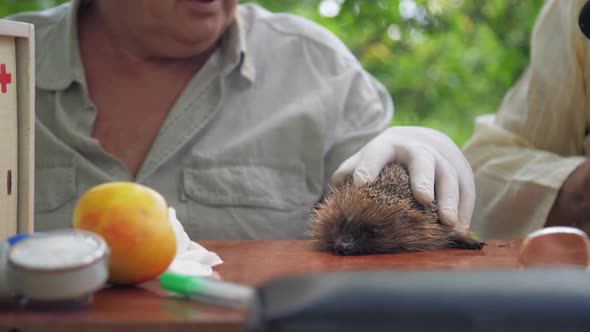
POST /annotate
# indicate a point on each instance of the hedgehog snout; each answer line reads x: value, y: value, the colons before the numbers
x: 345, y: 245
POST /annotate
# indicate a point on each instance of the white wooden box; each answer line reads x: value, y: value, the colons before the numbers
x: 17, y: 127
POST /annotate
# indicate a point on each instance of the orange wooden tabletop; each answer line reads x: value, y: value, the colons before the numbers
x: 148, y: 308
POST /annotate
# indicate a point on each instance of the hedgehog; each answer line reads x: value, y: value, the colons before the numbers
x: 382, y: 217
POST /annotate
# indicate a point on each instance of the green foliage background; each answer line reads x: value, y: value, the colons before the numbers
x: 448, y: 60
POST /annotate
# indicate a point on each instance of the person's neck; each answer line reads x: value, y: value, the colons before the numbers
x: 126, y: 52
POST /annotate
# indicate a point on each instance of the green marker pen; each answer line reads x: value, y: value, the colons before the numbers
x: 207, y: 290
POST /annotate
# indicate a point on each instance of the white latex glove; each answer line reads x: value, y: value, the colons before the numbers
x: 191, y: 258
x: 436, y: 165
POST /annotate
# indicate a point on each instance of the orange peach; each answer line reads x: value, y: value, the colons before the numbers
x: 133, y: 220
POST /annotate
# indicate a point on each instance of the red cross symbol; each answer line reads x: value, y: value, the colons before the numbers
x: 5, y: 78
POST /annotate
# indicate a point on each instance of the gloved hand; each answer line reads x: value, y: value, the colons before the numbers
x: 436, y: 165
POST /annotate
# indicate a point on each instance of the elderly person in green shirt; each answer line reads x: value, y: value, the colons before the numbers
x: 242, y: 119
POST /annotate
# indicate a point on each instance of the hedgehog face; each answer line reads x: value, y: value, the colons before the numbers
x: 354, y: 239
x: 365, y: 227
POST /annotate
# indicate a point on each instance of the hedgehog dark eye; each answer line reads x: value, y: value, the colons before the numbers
x: 404, y: 218
x: 343, y: 223
x: 366, y: 232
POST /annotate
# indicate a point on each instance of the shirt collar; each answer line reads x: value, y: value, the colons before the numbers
x: 234, y: 47
x: 58, y: 61
x: 57, y: 58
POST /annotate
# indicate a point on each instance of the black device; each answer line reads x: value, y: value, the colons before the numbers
x: 584, y: 19
x: 453, y: 301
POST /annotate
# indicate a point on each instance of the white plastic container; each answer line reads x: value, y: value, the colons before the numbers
x: 59, y: 265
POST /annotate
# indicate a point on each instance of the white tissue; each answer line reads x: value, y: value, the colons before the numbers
x: 191, y: 258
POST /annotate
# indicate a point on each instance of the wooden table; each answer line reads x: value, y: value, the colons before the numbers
x: 147, y: 308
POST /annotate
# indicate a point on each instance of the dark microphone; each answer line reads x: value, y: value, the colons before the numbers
x: 584, y: 19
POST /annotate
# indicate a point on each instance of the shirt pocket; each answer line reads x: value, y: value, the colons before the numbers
x: 247, y: 201
x: 274, y: 187
x: 55, y: 185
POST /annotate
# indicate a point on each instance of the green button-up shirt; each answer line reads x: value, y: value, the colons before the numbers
x: 248, y: 148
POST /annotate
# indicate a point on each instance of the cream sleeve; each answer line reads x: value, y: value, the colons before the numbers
x: 522, y: 155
